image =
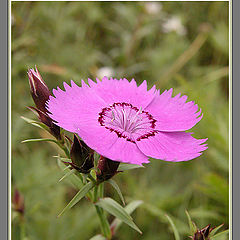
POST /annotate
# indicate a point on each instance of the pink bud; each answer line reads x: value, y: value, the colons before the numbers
x: 106, y: 169
x: 39, y: 90
x: 18, y: 202
x: 81, y: 156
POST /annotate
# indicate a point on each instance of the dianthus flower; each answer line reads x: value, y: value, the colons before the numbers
x: 128, y: 123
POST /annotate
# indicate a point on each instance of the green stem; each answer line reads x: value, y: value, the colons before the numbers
x: 105, y: 227
x: 95, y: 198
x: 101, y: 190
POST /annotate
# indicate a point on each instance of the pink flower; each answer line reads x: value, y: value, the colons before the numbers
x: 128, y: 123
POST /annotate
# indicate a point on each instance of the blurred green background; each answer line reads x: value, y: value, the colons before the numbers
x: 183, y: 45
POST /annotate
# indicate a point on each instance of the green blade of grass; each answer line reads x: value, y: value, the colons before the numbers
x: 192, y: 226
x: 175, y: 231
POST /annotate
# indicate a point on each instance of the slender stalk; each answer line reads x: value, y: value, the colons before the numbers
x: 101, y: 190
x: 95, y: 194
x: 105, y: 227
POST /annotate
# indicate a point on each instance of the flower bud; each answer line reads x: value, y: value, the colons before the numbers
x: 198, y: 236
x: 18, y: 202
x: 81, y: 156
x: 202, y: 234
x: 40, y: 94
x: 39, y: 90
x: 106, y: 169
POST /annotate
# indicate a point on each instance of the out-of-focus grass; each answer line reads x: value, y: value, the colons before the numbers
x: 73, y: 40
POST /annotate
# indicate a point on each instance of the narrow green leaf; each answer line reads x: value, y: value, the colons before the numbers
x: 125, y: 166
x: 117, y: 210
x: 35, y: 123
x: 63, y: 159
x: 67, y: 167
x: 192, y: 226
x: 40, y: 140
x: 78, y: 197
x: 175, y: 231
x: 67, y: 174
x: 133, y: 205
x: 75, y: 179
x: 110, y: 204
x: 215, y: 230
x: 61, y: 165
x: 220, y: 235
x: 116, y: 187
x: 129, y: 209
x: 28, y: 120
x: 98, y: 237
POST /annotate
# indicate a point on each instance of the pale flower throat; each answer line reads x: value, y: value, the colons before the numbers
x: 127, y: 121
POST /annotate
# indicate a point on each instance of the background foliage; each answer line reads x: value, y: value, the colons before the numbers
x: 183, y: 45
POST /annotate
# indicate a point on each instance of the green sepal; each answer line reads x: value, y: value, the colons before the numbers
x: 212, y: 233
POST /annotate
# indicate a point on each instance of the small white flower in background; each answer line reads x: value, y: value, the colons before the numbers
x: 174, y: 24
x: 105, y: 72
x: 153, y: 7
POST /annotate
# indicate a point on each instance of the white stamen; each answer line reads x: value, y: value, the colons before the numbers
x: 127, y: 119
x: 113, y: 116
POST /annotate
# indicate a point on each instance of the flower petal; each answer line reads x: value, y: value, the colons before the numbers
x: 172, y: 146
x: 74, y: 106
x: 77, y: 110
x: 113, y: 90
x: 119, y: 150
x: 173, y: 113
x: 109, y: 145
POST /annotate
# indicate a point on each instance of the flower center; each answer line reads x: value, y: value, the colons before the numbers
x: 127, y: 121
